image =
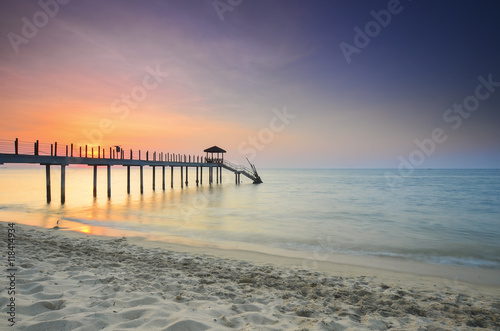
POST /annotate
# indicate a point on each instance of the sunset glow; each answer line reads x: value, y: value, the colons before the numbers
x: 180, y: 76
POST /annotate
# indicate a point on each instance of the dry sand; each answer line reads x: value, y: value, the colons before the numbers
x: 68, y: 281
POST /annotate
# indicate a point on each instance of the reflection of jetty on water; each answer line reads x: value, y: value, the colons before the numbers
x: 52, y: 154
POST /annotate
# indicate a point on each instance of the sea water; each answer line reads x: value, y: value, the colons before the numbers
x: 438, y: 216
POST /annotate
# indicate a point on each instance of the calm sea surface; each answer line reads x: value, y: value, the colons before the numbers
x: 436, y: 216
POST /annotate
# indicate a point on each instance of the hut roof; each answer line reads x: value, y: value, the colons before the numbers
x: 214, y: 149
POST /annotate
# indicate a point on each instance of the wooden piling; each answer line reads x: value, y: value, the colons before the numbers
x: 187, y: 176
x: 217, y: 174
x: 109, y: 180
x: 182, y: 177
x: 171, y: 176
x: 63, y: 184
x: 95, y: 178
x: 201, y: 175
x: 163, y: 177
x: 128, y: 179
x: 197, y: 176
x: 47, y: 180
x: 154, y: 178
x: 142, y: 179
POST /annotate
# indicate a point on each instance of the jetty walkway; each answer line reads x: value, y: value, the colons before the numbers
x: 15, y: 151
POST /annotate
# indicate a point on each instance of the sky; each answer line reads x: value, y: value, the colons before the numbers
x: 300, y: 84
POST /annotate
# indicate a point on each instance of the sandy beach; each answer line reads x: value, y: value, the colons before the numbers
x: 72, y: 281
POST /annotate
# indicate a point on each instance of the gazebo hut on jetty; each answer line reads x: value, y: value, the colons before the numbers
x: 214, y: 150
x: 238, y: 170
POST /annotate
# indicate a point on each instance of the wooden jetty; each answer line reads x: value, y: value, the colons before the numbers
x: 65, y: 155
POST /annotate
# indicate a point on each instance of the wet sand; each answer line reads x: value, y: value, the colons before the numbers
x: 72, y: 281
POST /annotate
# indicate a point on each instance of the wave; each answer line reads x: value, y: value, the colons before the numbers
x: 485, y: 262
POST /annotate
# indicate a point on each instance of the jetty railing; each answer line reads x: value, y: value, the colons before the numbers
x: 36, y: 148
x: 236, y: 167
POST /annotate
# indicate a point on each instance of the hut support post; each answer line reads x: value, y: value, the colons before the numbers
x: 182, y: 177
x: 187, y: 176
